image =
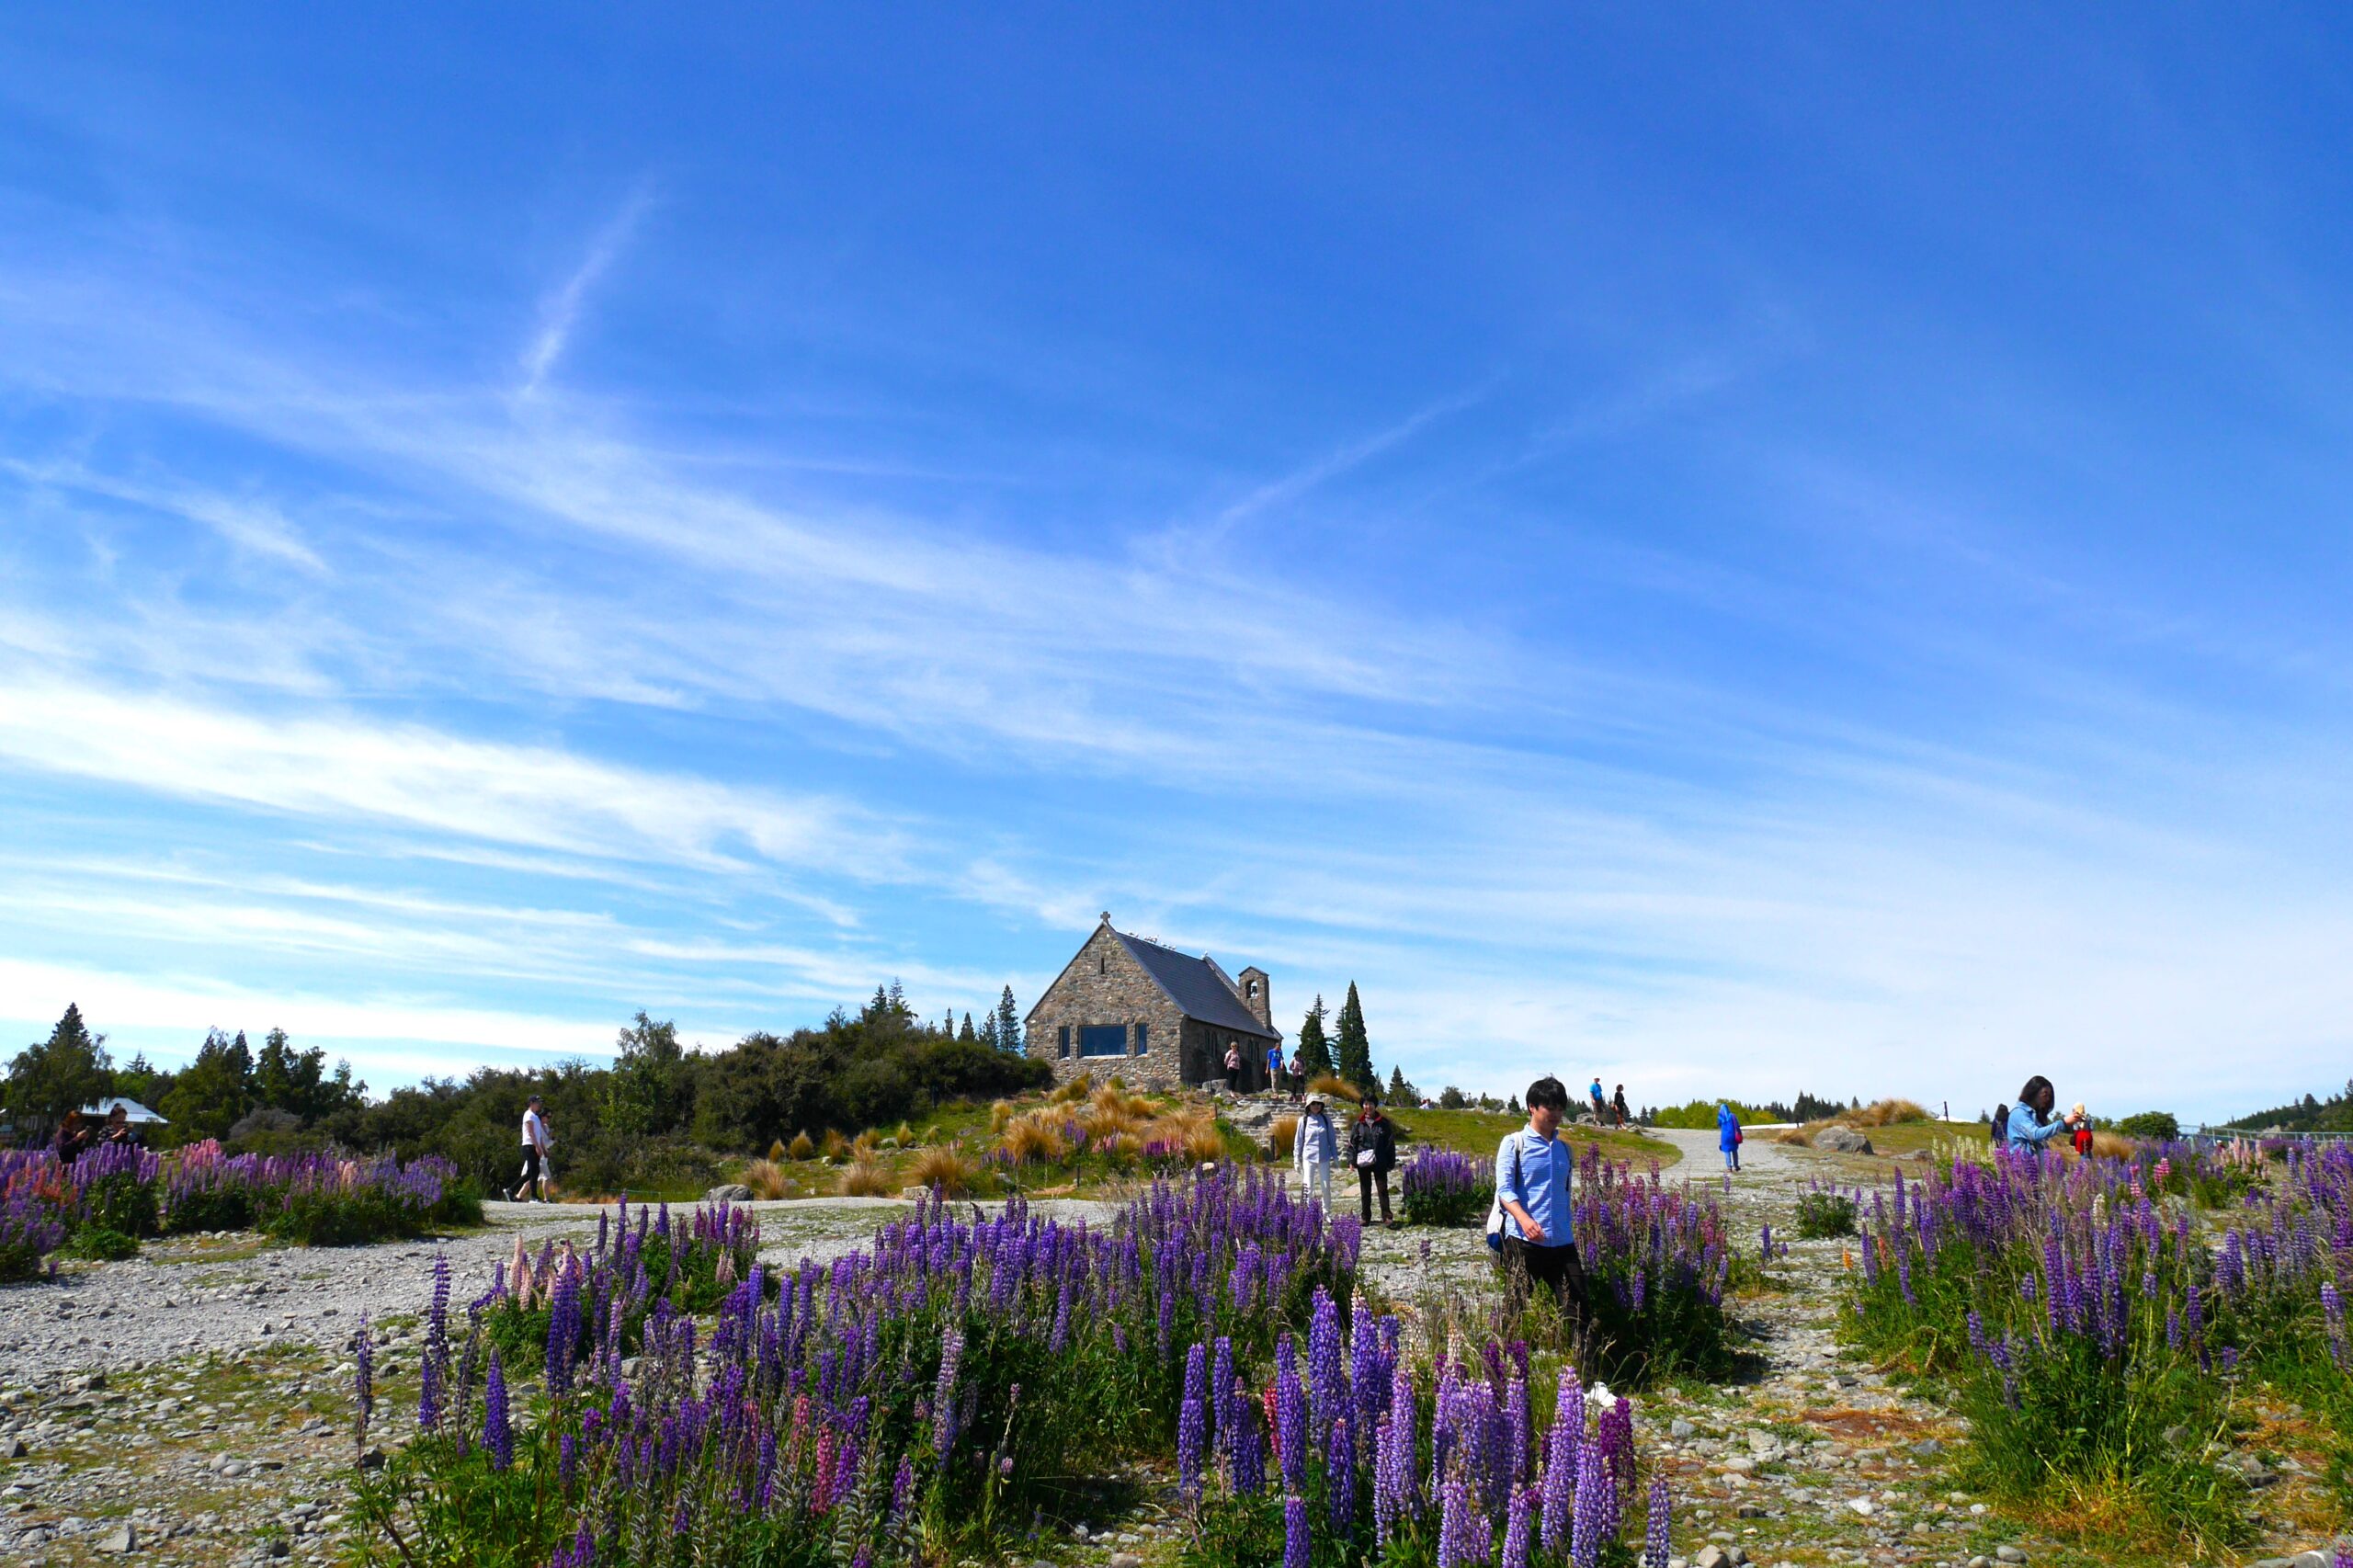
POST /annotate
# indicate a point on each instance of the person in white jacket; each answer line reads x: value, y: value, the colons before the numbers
x: 1314, y: 1151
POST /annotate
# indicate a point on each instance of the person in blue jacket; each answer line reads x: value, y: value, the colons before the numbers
x: 2031, y: 1125
x: 1728, y: 1136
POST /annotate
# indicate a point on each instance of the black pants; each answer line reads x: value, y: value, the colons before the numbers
x: 530, y: 1170
x: 1557, y: 1268
x: 1366, y: 1179
x: 1234, y: 1080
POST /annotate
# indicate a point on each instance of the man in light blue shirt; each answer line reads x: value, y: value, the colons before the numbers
x: 1532, y: 1171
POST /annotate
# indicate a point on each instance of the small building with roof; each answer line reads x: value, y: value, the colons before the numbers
x: 1136, y: 1008
x: 133, y: 1112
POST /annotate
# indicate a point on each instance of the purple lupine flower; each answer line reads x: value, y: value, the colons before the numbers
x: 943, y: 1397
x: 1656, y: 1547
x: 1562, y: 1457
x: 498, y: 1438
x: 1586, y: 1532
x: 1192, y: 1424
x: 1516, y: 1528
x: 363, y: 1380
x: 1340, y: 1479
x: 1290, y: 1418
x: 1295, y: 1538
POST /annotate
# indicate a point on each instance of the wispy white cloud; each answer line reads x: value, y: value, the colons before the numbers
x: 559, y: 311
x: 343, y: 767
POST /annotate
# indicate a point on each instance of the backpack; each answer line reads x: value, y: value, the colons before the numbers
x: 1496, y: 1211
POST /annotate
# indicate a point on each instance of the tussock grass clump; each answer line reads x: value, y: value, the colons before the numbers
x: 836, y: 1146
x: 803, y: 1147
x: 868, y: 1178
x: 1883, y: 1113
x: 1034, y: 1140
x: 776, y: 1150
x: 1334, y: 1088
x: 765, y: 1178
x: 945, y: 1171
x: 1000, y: 1113
x: 1282, y: 1136
x: 1078, y: 1088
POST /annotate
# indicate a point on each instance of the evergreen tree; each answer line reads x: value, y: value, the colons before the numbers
x: 66, y: 1072
x: 966, y: 1035
x: 1008, y: 1023
x: 214, y: 1092
x: 988, y: 1029
x: 1356, y: 1051
x: 1315, y: 1051
x: 1399, y: 1091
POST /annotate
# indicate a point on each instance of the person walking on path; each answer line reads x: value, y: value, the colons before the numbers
x: 1728, y: 1136
x: 2031, y: 1125
x: 1600, y: 1105
x: 1372, y: 1150
x: 1298, y: 1077
x: 1275, y: 1070
x: 1618, y: 1104
x: 1314, y: 1151
x: 2002, y: 1125
x: 1532, y: 1172
x: 536, y: 1144
x: 1232, y: 1068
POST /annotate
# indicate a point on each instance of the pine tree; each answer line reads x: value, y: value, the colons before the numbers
x: 988, y: 1029
x: 1356, y: 1051
x: 215, y: 1090
x: 1401, y: 1092
x: 67, y: 1071
x: 1008, y: 1023
x: 965, y: 1035
x: 1315, y: 1051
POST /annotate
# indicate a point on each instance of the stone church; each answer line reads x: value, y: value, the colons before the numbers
x: 1129, y: 1007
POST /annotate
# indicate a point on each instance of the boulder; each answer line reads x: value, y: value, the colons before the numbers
x: 120, y: 1542
x: 1842, y: 1141
x: 728, y: 1192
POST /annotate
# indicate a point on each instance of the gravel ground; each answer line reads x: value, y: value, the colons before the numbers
x: 193, y: 1405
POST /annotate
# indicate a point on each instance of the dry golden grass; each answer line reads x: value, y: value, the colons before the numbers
x: 1034, y: 1140
x: 1332, y: 1086
x: 865, y: 1145
x: 1802, y: 1136
x: 868, y: 1178
x: 1000, y: 1112
x: 1282, y: 1134
x: 803, y: 1147
x: 1883, y: 1113
x: 836, y: 1146
x: 1078, y: 1088
x: 945, y: 1171
x: 905, y: 1135
x: 1203, y: 1142
x: 765, y: 1178
x: 777, y: 1149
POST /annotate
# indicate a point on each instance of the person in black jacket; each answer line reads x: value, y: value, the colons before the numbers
x: 1372, y: 1134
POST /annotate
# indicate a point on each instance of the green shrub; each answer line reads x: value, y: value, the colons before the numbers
x: 225, y: 1207
x: 121, y: 1203
x: 460, y: 1205
x: 98, y: 1244
x: 1824, y: 1214
x: 2161, y: 1126
x: 331, y: 1219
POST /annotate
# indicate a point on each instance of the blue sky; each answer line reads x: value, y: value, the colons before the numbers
x: 1736, y: 553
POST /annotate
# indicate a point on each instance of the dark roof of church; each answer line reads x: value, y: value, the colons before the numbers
x: 1198, y: 986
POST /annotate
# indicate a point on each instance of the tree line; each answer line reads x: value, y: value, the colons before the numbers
x: 661, y: 1117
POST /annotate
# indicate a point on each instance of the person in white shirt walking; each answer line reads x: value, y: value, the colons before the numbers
x: 1314, y: 1151
x: 536, y: 1144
